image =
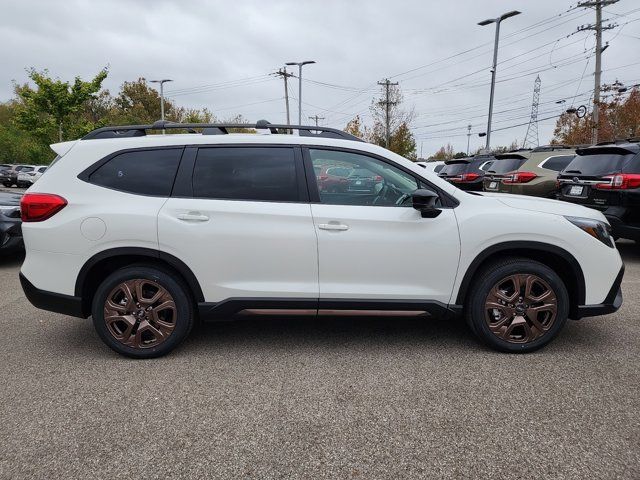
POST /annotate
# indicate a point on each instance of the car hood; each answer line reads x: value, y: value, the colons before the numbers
x: 545, y: 205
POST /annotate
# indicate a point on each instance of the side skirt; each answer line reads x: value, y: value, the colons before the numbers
x: 324, y: 306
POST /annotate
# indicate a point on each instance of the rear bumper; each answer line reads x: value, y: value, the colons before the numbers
x: 53, y: 302
x: 611, y: 303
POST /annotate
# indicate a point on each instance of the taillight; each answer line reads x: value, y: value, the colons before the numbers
x: 465, y: 177
x: 36, y: 207
x: 621, y: 181
x: 377, y: 178
x: 519, y: 177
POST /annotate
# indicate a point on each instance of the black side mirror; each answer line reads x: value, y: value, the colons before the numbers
x: 425, y: 201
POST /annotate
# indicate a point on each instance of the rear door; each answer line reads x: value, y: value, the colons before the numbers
x: 373, y: 245
x: 239, y: 217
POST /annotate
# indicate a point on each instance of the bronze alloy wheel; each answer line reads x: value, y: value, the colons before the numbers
x: 521, y: 308
x: 140, y: 313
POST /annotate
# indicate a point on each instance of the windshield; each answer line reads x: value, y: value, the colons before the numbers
x: 599, y: 164
x: 454, y: 168
x: 504, y: 165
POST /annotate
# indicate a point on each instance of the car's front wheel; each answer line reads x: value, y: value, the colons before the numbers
x: 517, y: 305
x: 142, y: 312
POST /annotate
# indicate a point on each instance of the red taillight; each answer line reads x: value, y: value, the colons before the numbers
x: 464, y: 178
x: 36, y: 207
x: 377, y: 178
x: 621, y: 181
x: 519, y: 177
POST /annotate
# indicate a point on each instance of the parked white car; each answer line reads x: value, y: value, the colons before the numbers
x: 147, y: 233
x: 28, y: 178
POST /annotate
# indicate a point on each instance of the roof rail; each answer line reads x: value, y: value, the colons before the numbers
x: 552, y: 147
x: 121, y: 131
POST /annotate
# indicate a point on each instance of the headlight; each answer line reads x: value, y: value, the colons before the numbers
x: 597, y: 229
x: 12, y: 211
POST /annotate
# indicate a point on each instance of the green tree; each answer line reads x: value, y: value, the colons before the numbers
x: 54, y: 105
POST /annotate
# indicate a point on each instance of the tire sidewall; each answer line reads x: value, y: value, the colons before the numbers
x: 184, y: 320
x: 486, y: 283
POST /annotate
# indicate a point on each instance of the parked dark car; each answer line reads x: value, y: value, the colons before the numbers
x: 10, y: 222
x: 363, y: 180
x: 467, y: 173
x: 9, y: 176
x: 607, y: 177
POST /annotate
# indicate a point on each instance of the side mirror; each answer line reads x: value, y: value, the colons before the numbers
x: 425, y: 201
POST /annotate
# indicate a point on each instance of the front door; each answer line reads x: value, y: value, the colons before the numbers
x: 372, y: 244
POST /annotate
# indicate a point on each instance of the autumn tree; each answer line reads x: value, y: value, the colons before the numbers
x: 619, y: 117
x: 445, y: 152
x: 354, y: 127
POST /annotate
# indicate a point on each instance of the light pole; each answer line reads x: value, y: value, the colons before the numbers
x: 161, y: 82
x: 300, y: 65
x: 497, y: 21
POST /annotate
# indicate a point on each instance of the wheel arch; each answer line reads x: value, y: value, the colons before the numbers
x: 108, y: 261
x: 556, y: 258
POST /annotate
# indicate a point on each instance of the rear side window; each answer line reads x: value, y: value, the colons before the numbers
x: 146, y: 172
x: 246, y: 173
x: 557, y: 163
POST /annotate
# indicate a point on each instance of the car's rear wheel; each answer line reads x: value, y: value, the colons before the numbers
x: 142, y: 312
x: 517, y: 305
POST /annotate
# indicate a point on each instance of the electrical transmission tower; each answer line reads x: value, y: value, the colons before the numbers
x: 531, y: 138
x: 387, y: 103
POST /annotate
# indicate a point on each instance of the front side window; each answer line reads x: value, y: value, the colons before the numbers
x: 246, y: 173
x: 356, y: 179
x: 146, y: 172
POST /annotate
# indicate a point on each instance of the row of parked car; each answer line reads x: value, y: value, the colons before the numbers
x: 22, y: 176
x: 605, y: 177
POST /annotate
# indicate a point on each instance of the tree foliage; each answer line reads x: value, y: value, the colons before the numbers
x: 619, y: 117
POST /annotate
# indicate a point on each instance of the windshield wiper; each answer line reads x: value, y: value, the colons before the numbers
x: 573, y: 171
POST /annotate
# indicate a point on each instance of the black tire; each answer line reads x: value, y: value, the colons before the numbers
x: 7, y: 184
x: 477, y: 310
x: 181, y: 317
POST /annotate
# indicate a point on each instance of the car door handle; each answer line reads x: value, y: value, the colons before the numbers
x: 193, y: 217
x: 340, y: 227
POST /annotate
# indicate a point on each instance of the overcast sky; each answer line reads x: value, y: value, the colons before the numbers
x: 220, y: 55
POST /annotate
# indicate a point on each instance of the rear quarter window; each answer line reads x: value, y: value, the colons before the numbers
x: 146, y: 172
x: 556, y: 163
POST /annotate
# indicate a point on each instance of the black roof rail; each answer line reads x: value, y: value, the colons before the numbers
x: 551, y: 148
x: 120, y: 131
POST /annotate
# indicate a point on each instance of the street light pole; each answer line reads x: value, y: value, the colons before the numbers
x: 300, y: 65
x: 161, y: 82
x: 497, y: 21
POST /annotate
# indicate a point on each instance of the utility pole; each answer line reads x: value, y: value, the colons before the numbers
x: 497, y: 21
x: 300, y: 65
x: 316, y: 118
x: 387, y: 106
x: 468, y: 137
x: 161, y: 82
x: 598, y: 28
x: 285, y: 75
x: 531, y: 137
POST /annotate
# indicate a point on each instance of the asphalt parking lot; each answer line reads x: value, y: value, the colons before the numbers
x: 319, y: 398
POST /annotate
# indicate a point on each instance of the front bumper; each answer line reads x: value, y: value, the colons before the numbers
x: 10, y: 235
x: 53, y: 302
x: 611, y: 303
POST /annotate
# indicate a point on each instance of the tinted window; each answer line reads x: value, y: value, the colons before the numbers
x: 438, y: 168
x: 148, y: 172
x: 24, y: 169
x: 454, y: 168
x: 371, y: 181
x: 557, y: 163
x: 246, y: 173
x: 633, y: 165
x: 504, y: 165
x: 600, y: 164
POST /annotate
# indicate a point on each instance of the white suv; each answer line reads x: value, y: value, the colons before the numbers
x: 148, y: 233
